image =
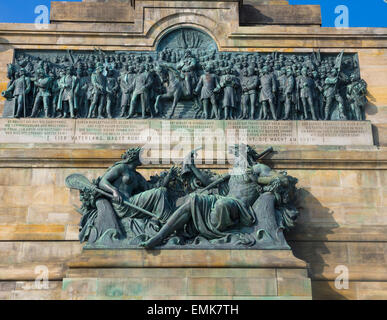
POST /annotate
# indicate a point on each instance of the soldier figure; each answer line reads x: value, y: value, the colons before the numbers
x: 188, y: 66
x: 126, y: 82
x: 356, y: 93
x: 289, y: 92
x: 155, y: 88
x: 268, y: 90
x: 19, y: 89
x: 55, y: 91
x: 141, y: 85
x: 306, y: 86
x: 317, y: 94
x: 206, y: 85
x: 244, y: 80
x: 332, y: 94
x: 111, y: 90
x: 228, y: 83
x: 81, y: 98
x: 298, y: 89
x: 43, y: 84
x: 67, y: 85
x: 281, y: 81
x: 98, y: 81
x: 249, y: 83
x: 89, y: 90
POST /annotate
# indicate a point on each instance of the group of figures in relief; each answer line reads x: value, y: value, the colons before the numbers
x: 214, y: 85
x: 186, y: 206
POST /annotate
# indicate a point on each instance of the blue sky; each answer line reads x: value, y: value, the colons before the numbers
x: 371, y: 13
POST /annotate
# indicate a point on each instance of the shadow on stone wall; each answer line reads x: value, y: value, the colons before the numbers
x: 251, y: 15
x: 308, y: 242
x: 375, y: 133
x: 5, y: 45
x: 371, y: 109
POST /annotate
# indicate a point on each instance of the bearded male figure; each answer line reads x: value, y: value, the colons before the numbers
x: 247, y: 216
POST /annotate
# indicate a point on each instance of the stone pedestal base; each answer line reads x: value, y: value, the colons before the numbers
x: 188, y: 274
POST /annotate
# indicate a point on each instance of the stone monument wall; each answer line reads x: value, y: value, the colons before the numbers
x: 343, y: 199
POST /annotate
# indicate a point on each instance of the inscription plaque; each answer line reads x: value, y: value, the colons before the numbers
x: 334, y: 133
x: 36, y: 131
x: 265, y: 132
x: 114, y: 131
x: 185, y: 133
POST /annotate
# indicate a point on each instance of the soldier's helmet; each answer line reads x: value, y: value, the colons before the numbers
x: 188, y: 54
x: 130, y: 69
x: 40, y: 72
x: 209, y: 67
x: 99, y: 66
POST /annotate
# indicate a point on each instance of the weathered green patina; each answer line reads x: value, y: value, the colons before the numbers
x: 187, y: 207
x: 186, y: 77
